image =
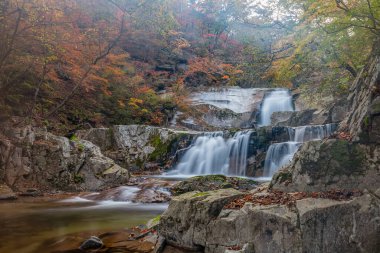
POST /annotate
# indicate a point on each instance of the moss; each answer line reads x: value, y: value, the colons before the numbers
x: 160, y: 148
x: 285, y: 176
x: 156, y: 219
x: 337, y: 158
x: 74, y: 138
x: 220, y: 178
x: 366, y: 121
x: 78, y: 179
x: 80, y: 147
x: 201, y: 194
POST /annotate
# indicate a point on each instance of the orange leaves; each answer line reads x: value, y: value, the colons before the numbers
x: 144, y: 90
x: 157, y: 118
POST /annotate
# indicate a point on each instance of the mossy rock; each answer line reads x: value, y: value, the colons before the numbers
x: 211, y: 183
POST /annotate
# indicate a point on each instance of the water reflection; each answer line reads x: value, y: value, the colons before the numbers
x: 24, y: 226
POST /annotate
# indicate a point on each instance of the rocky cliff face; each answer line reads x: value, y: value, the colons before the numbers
x: 363, y: 121
x: 138, y: 147
x: 33, y: 158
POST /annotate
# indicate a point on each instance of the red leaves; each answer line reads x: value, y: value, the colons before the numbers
x: 236, y: 248
x: 289, y: 199
x: 344, y: 136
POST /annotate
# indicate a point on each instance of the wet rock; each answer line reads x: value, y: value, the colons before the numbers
x: 331, y: 164
x: 6, y: 193
x: 278, y: 117
x: 31, y: 193
x: 92, y: 243
x: 298, y: 118
x: 212, y: 183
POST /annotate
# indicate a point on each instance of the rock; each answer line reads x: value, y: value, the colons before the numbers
x: 310, y: 225
x: 212, y: 183
x: 6, y: 193
x: 278, y: 117
x: 185, y: 222
x: 331, y: 164
x: 346, y: 226
x: 36, y: 159
x: 137, y: 144
x: 101, y: 137
x: 298, y: 118
x: 31, y: 193
x: 362, y: 122
x: 92, y: 243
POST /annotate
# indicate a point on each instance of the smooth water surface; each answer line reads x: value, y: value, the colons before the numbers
x: 25, y: 226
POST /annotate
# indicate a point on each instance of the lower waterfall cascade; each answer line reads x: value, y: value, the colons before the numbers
x: 280, y: 154
x: 212, y: 153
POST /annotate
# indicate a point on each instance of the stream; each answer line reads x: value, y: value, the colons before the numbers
x: 29, y: 223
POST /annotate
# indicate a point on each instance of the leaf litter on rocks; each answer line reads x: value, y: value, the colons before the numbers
x: 289, y: 199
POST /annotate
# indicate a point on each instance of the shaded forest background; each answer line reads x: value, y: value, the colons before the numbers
x: 69, y: 64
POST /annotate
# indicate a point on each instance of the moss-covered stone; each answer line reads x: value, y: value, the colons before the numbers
x: 212, y: 182
x: 350, y: 157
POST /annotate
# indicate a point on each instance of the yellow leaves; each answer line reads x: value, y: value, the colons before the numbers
x: 135, y: 102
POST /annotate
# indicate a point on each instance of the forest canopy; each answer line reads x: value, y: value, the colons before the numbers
x: 70, y: 63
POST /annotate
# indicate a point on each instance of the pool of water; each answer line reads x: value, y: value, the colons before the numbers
x: 25, y: 225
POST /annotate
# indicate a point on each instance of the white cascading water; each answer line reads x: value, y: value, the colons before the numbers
x: 235, y: 99
x: 309, y: 133
x: 211, y: 154
x: 276, y: 101
x: 281, y: 154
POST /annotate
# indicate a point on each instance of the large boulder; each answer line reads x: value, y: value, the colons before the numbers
x: 33, y: 158
x: 185, y: 222
x: 331, y: 164
x: 304, y: 225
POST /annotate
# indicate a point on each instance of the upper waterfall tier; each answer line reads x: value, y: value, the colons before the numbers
x: 235, y: 99
x: 276, y: 101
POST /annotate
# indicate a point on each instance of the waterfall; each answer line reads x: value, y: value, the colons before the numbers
x: 276, y: 101
x: 235, y: 99
x: 211, y: 153
x: 281, y: 154
x: 309, y: 133
x: 278, y: 155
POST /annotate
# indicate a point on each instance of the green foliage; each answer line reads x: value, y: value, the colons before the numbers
x: 331, y: 43
x: 78, y: 179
